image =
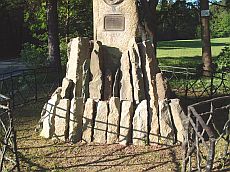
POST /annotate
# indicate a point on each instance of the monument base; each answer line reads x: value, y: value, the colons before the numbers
x: 129, y: 105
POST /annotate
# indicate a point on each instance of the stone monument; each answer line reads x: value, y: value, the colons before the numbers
x: 115, y: 93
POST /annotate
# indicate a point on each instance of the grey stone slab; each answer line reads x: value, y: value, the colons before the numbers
x: 140, y: 124
x: 76, y: 117
x: 113, y: 120
x: 62, y: 120
x: 88, y: 120
x: 126, y: 122
x: 100, y: 128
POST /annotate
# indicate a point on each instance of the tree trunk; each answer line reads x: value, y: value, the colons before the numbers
x: 67, y: 21
x: 206, y: 44
x: 53, y: 38
x: 149, y: 8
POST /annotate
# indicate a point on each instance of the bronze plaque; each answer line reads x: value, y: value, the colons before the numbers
x: 113, y: 2
x: 114, y: 23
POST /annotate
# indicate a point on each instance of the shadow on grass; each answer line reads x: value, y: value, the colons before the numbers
x: 31, y: 164
x: 180, y: 62
x: 122, y: 160
x: 185, y: 44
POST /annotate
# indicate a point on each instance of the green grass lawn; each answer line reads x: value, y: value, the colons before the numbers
x: 187, y: 53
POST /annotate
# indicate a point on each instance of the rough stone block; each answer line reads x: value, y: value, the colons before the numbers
x: 179, y: 118
x: 47, y: 116
x: 137, y: 75
x: 67, y: 88
x: 126, y: 122
x: 100, y: 128
x: 62, y: 120
x: 140, y: 124
x: 163, y: 89
x: 79, y: 53
x: 126, y: 90
x: 96, y: 65
x: 167, y: 133
x: 88, y: 120
x: 149, y: 72
x: 76, y: 117
x: 153, y: 122
x: 113, y: 120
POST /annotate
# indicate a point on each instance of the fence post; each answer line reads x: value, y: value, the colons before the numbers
x: 13, y: 136
x: 12, y: 89
x: 186, y: 86
x: 211, y: 89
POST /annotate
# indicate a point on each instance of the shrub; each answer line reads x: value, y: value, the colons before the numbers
x: 34, y: 56
x: 63, y: 52
x: 223, y: 59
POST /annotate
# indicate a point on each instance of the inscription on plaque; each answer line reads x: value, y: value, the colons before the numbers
x: 114, y: 23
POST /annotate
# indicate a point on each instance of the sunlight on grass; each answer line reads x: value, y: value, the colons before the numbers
x: 187, y: 53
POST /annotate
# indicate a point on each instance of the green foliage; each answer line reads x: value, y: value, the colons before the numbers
x: 75, y: 19
x: 177, y: 21
x: 223, y: 59
x: 34, y: 56
x: 35, y: 20
x: 220, y: 21
x: 63, y: 52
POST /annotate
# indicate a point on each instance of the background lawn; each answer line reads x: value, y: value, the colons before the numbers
x: 187, y: 53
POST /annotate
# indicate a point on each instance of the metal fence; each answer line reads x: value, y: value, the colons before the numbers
x: 207, y: 143
x: 27, y: 85
x: 192, y: 86
x: 8, y: 146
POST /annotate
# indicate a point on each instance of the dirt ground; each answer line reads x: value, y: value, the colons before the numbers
x: 39, y: 154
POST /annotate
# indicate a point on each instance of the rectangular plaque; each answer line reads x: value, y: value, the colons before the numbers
x: 205, y: 13
x: 114, y: 22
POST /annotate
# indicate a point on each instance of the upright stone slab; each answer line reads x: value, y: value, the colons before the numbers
x: 149, y: 72
x: 179, y: 118
x: 76, y: 117
x: 62, y: 119
x: 79, y: 53
x: 149, y: 69
x: 137, y: 75
x: 167, y: 132
x: 96, y: 62
x: 140, y: 124
x: 100, y: 128
x: 126, y: 90
x: 88, y: 120
x: 154, y: 130
x: 126, y: 122
x: 67, y: 88
x: 113, y: 120
x: 163, y: 89
x: 48, y: 114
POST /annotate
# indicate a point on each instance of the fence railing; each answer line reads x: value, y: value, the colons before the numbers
x: 191, y: 84
x: 207, y: 142
x: 8, y: 146
x: 27, y: 85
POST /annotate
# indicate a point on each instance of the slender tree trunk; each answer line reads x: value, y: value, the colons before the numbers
x: 205, y: 34
x: 53, y: 38
x: 67, y: 21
